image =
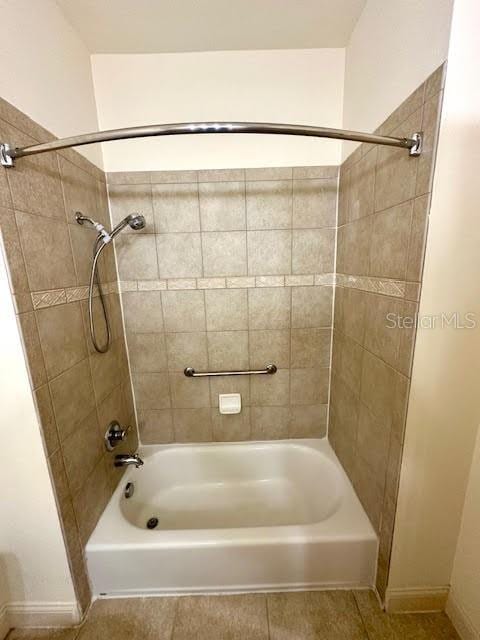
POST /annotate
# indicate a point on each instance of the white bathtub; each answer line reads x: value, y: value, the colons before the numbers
x: 233, y: 517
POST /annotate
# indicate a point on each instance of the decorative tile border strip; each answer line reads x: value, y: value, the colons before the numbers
x: 384, y: 286
x: 387, y: 287
x: 233, y: 282
x: 54, y: 297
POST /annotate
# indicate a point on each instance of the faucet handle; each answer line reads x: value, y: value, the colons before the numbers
x: 115, y: 434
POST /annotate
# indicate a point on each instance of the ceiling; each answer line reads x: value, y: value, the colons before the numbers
x: 158, y: 26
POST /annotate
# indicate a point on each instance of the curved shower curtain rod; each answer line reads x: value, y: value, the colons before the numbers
x: 8, y: 153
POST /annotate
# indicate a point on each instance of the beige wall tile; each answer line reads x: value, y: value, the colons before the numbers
x: 313, y: 250
x: 357, y: 238
x: 131, y: 198
x: 270, y: 423
x: 62, y: 337
x: 418, y: 233
x: 370, y: 493
x: 435, y: 82
x: 137, y: 257
x: 304, y: 173
x: 269, y: 173
x: 309, y: 386
x: 389, y: 244
x: 373, y: 441
x: 113, y: 407
x: 269, y: 308
x: 309, y: 421
x: 221, y: 175
x: 192, y: 425
x: 350, y: 309
x: 33, y: 349
x: 40, y: 239
x: 128, y: 177
x: 82, y: 450
x: 43, y: 403
x: 396, y: 170
x: 227, y: 350
x: 314, y: 203
x: 176, y: 207
x: 269, y: 346
x: 73, y: 397
x: 147, y: 352
x: 310, y: 348
x: 269, y: 204
x: 311, y: 307
x: 347, y: 360
x: 91, y: 500
x: 156, y: 426
x: 430, y: 126
x: 82, y: 242
x: 35, y: 183
x: 382, y: 337
x: 5, y: 197
x: 184, y: 310
x: 151, y: 390
x: 231, y: 428
x: 187, y: 350
x: 269, y: 252
x: 13, y: 251
x: 378, y: 386
x: 189, y: 393
x: 179, y: 255
x: 226, y: 310
x: 173, y: 176
x: 143, y: 311
x: 224, y: 253
x: 270, y: 390
x: 222, y: 206
x: 343, y: 195
x: 106, y: 369
x: 79, y: 190
x: 361, y: 187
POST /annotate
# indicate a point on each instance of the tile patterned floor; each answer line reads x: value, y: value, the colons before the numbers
x: 314, y: 615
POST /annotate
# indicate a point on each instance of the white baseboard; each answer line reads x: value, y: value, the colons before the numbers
x: 460, y: 620
x: 419, y: 600
x: 38, y: 614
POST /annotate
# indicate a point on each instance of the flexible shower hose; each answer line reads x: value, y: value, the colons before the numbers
x: 94, y: 280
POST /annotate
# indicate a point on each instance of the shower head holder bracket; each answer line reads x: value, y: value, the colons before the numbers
x: 6, y: 159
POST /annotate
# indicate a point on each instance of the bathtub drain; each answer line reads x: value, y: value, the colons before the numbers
x: 152, y: 523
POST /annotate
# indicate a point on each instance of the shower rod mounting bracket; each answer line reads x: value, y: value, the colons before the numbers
x: 6, y: 160
x: 9, y: 152
x: 417, y: 149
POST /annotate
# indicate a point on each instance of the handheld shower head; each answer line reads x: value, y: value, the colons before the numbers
x: 134, y: 220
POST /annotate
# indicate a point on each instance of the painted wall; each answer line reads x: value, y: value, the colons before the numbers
x: 394, y: 47
x: 33, y: 563
x: 299, y: 86
x: 464, y: 600
x: 444, y: 410
x: 46, y: 71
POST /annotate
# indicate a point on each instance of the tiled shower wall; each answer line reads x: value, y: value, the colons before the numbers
x: 383, y: 212
x: 234, y: 270
x: 77, y: 391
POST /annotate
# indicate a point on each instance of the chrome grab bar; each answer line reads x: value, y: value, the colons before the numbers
x: 269, y: 370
